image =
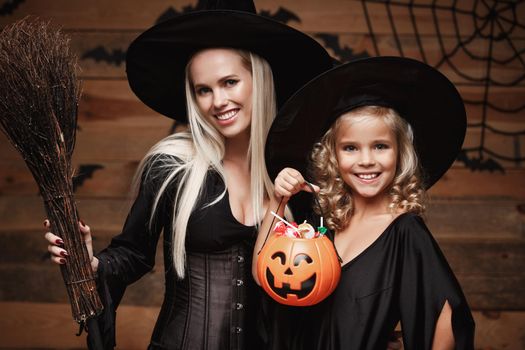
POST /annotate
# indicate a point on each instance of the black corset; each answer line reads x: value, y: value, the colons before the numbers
x: 213, y: 306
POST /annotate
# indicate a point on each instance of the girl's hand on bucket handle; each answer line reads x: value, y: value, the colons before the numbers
x: 289, y: 182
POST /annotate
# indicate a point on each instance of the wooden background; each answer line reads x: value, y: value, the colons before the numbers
x: 477, y: 216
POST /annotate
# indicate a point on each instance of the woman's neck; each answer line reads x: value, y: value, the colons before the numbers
x: 236, y: 149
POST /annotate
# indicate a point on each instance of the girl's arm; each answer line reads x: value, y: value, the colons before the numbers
x: 443, y: 336
x: 434, y: 311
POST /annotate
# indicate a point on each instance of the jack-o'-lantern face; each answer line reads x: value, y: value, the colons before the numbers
x: 296, y: 278
x: 296, y: 271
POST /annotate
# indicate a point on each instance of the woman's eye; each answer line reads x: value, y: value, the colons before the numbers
x: 203, y: 90
x: 231, y: 82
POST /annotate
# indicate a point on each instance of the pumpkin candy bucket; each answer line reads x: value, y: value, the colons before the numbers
x: 297, y: 265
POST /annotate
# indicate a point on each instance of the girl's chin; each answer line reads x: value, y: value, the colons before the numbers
x: 368, y: 194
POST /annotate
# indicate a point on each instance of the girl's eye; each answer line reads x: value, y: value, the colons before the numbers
x: 349, y: 148
x: 381, y: 146
x: 231, y: 82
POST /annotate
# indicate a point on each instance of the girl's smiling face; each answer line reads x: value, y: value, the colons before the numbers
x: 366, y: 152
x: 222, y: 85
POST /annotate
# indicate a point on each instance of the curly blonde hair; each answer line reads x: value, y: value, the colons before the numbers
x: 335, y: 198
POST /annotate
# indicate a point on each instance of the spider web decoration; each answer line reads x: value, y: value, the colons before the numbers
x: 488, y: 34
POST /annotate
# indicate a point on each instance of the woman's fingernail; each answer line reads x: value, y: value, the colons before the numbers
x: 46, y: 223
x: 64, y: 253
x: 59, y: 242
x: 82, y: 223
x: 62, y: 261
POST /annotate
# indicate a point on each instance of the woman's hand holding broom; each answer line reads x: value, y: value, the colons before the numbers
x: 59, y: 254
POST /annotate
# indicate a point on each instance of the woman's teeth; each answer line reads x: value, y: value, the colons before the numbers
x: 226, y: 115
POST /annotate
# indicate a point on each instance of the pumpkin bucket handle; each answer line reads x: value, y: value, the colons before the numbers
x: 329, y: 232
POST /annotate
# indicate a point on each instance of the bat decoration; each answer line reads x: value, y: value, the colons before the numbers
x: 100, y: 53
x: 84, y: 172
x: 281, y: 15
x: 173, y: 12
x: 479, y: 163
x: 168, y: 14
x: 345, y: 54
x: 9, y: 7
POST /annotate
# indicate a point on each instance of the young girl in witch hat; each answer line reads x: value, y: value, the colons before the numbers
x: 224, y: 71
x: 387, y: 128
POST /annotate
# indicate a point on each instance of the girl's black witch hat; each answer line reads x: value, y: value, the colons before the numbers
x: 419, y: 93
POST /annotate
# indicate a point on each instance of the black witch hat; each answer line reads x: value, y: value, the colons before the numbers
x: 157, y: 59
x: 423, y: 96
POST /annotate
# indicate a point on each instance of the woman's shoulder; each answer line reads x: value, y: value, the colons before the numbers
x: 174, y: 150
x: 177, y: 147
x: 157, y: 161
x: 166, y: 159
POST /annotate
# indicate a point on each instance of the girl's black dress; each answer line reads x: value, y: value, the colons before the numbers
x: 213, y: 306
x: 402, y: 276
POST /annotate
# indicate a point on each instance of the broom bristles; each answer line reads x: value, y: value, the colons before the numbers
x: 39, y: 94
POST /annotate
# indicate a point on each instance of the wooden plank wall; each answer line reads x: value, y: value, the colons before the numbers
x: 477, y: 216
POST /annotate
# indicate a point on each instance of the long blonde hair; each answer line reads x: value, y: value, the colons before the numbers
x: 202, y: 149
x: 406, y: 192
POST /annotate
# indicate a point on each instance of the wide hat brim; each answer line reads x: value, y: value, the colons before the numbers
x: 418, y: 92
x: 156, y: 60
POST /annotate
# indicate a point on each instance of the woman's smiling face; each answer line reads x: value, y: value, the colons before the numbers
x: 222, y: 85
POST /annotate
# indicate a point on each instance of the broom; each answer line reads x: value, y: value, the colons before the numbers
x: 39, y: 95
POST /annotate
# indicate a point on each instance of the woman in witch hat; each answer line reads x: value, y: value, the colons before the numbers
x: 380, y: 132
x: 225, y: 72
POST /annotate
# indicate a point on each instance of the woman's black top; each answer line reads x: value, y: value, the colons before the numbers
x: 403, y: 276
x: 213, y: 306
